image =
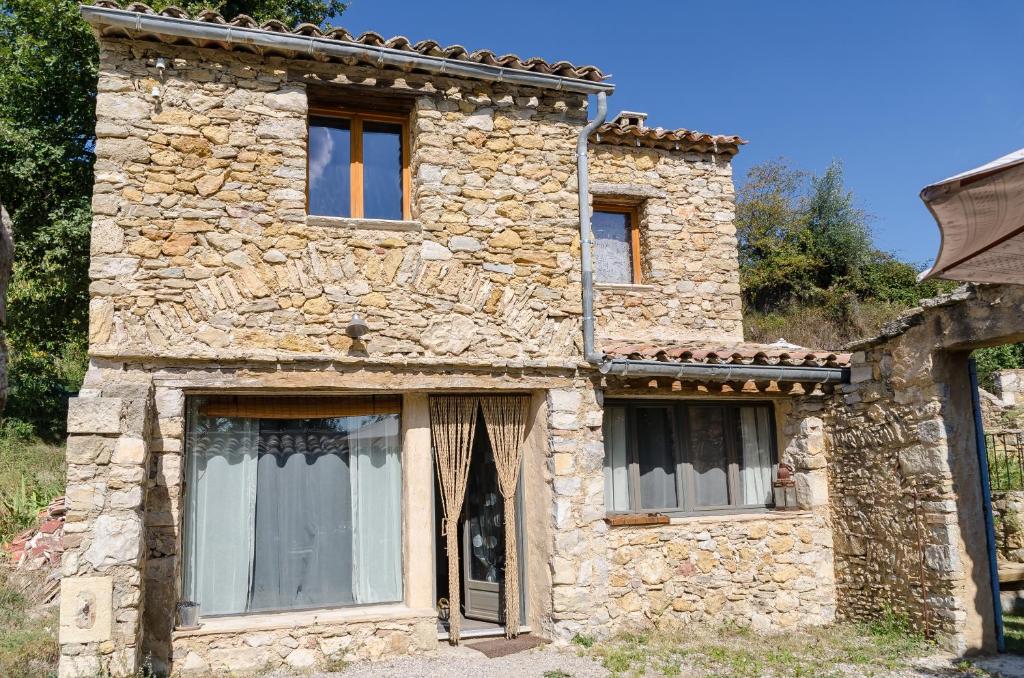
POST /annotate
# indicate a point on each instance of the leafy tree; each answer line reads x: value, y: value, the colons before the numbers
x: 48, y: 60
x: 806, y: 252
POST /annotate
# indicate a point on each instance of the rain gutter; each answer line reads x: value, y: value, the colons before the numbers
x: 308, y: 44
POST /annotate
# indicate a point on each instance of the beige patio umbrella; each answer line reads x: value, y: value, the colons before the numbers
x: 981, y: 217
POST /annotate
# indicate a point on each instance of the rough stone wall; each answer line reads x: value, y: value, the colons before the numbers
x: 904, y: 474
x: 302, y: 647
x: 1008, y: 511
x: 760, y: 569
x: 770, y: 572
x: 202, y: 249
x: 894, y: 509
x: 102, y: 587
x: 1009, y: 384
x: 686, y: 207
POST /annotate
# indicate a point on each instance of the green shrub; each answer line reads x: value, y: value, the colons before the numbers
x: 31, y: 475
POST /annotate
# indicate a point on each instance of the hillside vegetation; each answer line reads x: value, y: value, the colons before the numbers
x: 809, y: 270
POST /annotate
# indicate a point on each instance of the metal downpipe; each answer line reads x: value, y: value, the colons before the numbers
x: 586, y: 234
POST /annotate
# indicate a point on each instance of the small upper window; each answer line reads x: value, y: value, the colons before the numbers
x: 358, y: 166
x: 616, y: 245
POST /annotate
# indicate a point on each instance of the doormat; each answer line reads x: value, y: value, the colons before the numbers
x: 499, y: 647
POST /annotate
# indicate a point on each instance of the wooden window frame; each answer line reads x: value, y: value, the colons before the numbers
x: 356, y: 119
x: 633, y: 213
x: 686, y: 482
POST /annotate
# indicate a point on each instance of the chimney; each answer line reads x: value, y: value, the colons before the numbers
x: 627, y: 118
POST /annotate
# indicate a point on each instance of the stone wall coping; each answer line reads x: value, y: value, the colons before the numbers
x: 624, y: 287
x: 304, y: 618
x: 363, y: 224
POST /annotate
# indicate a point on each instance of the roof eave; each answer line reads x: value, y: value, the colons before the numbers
x: 302, y: 44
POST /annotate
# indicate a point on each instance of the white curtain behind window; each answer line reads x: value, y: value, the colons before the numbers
x: 616, y: 492
x: 376, y: 476
x: 221, y: 512
x: 303, y: 529
x: 756, y: 474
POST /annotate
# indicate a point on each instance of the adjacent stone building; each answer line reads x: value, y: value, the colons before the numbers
x: 337, y: 281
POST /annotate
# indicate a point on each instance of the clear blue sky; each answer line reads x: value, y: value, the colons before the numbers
x: 903, y: 93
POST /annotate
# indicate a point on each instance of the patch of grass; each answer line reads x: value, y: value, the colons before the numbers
x: 31, y: 476
x: 1013, y: 632
x: 738, y: 652
x: 557, y: 673
x: 583, y: 640
x: 28, y: 635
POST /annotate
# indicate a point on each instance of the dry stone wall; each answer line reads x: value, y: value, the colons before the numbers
x: 904, y: 474
x: 690, y: 271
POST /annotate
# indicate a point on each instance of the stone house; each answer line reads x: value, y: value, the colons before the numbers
x: 358, y: 385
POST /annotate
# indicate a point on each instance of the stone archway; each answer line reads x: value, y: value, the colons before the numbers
x: 904, y: 473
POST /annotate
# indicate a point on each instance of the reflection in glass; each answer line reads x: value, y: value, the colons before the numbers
x: 613, y: 249
x: 616, y: 483
x: 329, y: 167
x: 657, y: 462
x: 708, y: 455
x: 382, y: 170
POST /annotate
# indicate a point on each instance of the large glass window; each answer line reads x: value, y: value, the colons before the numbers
x: 687, y: 456
x: 357, y: 166
x: 292, y: 503
x: 616, y: 244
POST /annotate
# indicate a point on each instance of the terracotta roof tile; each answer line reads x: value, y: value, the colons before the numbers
x: 728, y: 354
x: 371, y: 39
x: 682, y: 139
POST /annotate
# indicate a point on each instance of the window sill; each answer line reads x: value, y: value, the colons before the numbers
x: 657, y: 520
x: 636, y: 519
x: 624, y: 287
x: 363, y: 224
x: 285, y: 620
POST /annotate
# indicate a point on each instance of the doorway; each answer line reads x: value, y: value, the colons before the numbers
x: 481, y: 548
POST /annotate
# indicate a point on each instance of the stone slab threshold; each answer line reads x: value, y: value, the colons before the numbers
x: 304, y: 619
x: 467, y: 634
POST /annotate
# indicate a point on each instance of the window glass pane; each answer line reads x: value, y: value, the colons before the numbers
x: 329, y: 166
x: 613, y: 247
x: 220, y: 513
x: 756, y: 466
x: 657, y: 460
x: 706, y: 432
x: 382, y: 170
x: 297, y: 513
x: 616, y: 469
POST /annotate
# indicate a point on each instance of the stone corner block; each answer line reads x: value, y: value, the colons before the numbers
x: 94, y: 415
x: 116, y: 540
x: 129, y: 451
x: 86, y: 609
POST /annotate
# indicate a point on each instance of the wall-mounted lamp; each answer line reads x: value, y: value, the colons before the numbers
x: 161, y: 64
x: 356, y: 327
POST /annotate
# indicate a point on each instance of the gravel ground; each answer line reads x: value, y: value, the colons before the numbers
x: 561, y: 662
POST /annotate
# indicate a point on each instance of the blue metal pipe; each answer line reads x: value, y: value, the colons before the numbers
x: 986, y: 504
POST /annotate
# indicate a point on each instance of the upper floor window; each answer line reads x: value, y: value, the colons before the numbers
x: 616, y: 244
x: 358, y: 165
x: 687, y: 456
